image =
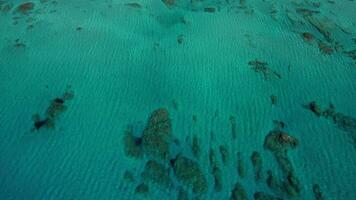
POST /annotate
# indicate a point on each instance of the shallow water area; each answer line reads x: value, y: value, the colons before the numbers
x: 103, y: 99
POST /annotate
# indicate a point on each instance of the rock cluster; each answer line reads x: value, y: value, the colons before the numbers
x: 55, y: 109
x: 279, y: 142
x: 154, y: 144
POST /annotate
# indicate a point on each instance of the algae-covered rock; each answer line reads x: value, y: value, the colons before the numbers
x: 263, y: 68
x: 265, y: 196
x: 317, y: 193
x: 256, y: 160
x: 132, y: 145
x: 238, y: 193
x: 272, y: 181
x: 224, y: 154
x: 240, y: 165
x: 55, y: 109
x: 156, y: 173
x: 157, y: 135
x: 169, y: 3
x: 128, y: 176
x: 343, y: 122
x: 182, y: 194
x: 291, y: 186
x: 189, y: 174
x: 196, y: 147
x: 279, y: 141
x: 142, y: 189
x: 25, y: 7
x: 218, y: 183
x: 233, y: 127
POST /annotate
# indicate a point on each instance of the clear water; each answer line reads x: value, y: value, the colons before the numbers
x: 122, y: 62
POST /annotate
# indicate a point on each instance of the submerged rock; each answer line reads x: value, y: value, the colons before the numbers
x: 344, y: 122
x: 157, y: 135
x: 55, y: 109
x: 189, y: 173
x: 256, y: 160
x: 224, y: 154
x: 317, y: 193
x: 128, y: 176
x: 240, y: 165
x: 238, y: 193
x: 209, y: 9
x: 272, y: 182
x: 25, y: 7
x: 262, y: 67
x: 233, y: 127
x: 279, y: 142
x: 212, y: 158
x: 133, y: 5
x: 156, y: 173
x: 142, y: 189
x: 218, y: 183
x: 132, y: 145
x: 196, y: 147
x: 169, y: 3
x: 264, y: 196
x: 182, y: 194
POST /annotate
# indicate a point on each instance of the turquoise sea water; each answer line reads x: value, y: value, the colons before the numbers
x: 211, y: 64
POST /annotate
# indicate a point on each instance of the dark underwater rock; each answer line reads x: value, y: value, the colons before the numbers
x: 279, y: 142
x: 224, y: 154
x: 189, y: 173
x: 240, y: 165
x: 128, y: 176
x: 262, y: 67
x: 157, y: 135
x: 265, y: 196
x: 209, y: 9
x: 256, y: 160
x: 182, y: 194
x: 212, y: 158
x: 156, y: 173
x: 55, y: 109
x: 317, y: 193
x: 132, y: 147
x: 142, y: 189
x: 25, y: 7
x: 217, y: 174
x: 169, y: 3
x: 133, y: 5
x: 238, y: 193
x: 342, y: 121
x: 196, y: 147
x: 233, y: 127
x: 272, y: 182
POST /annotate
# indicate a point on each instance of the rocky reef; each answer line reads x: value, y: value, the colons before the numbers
x: 241, y: 171
x: 342, y: 121
x: 157, y: 135
x: 256, y: 160
x: 156, y: 173
x: 55, y: 109
x: 279, y: 142
x: 263, y: 68
x: 189, y: 173
x: 238, y: 193
x: 154, y: 144
x: 265, y: 196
